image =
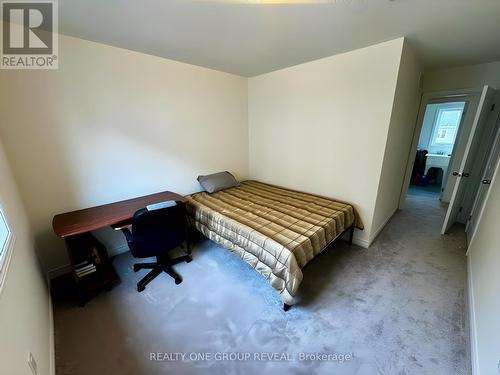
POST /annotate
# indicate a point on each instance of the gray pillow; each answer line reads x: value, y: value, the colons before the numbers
x: 217, y: 181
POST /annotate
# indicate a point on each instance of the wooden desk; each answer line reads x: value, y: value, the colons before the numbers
x: 76, y: 227
x: 89, y: 219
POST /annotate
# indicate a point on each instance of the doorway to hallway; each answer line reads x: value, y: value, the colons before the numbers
x: 441, y: 124
x: 452, y: 144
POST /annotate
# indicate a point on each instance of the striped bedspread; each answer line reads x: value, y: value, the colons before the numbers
x: 276, y: 230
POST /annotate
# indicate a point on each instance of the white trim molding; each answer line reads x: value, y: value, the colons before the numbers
x: 375, y: 234
x: 8, y: 249
x: 4, y: 264
x: 472, y: 320
x: 360, y: 242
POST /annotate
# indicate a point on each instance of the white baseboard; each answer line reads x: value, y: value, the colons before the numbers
x: 52, y: 349
x: 472, y: 320
x: 361, y: 242
x: 356, y: 240
x: 375, y: 234
x: 366, y: 243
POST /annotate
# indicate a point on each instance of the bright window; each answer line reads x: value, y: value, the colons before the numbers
x: 5, y: 247
x: 446, y: 126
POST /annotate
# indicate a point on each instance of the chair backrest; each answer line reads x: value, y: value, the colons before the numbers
x: 157, y: 231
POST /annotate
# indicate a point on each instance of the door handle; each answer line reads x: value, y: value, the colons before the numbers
x: 486, y: 182
x: 461, y: 174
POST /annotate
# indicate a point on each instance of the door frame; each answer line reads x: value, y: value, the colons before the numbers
x: 429, y: 97
x: 474, y: 137
x: 493, y: 159
x: 496, y: 175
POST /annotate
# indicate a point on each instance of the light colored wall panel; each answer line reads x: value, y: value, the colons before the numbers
x: 484, y: 284
x: 322, y: 126
x: 25, y: 314
x: 469, y: 76
x: 399, y: 139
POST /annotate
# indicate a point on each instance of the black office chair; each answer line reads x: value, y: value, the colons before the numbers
x: 155, y: 233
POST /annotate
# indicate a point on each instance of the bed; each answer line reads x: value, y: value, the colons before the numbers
x: 277, y: 231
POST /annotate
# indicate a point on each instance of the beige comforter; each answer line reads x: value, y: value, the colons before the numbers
x: 275, y: 230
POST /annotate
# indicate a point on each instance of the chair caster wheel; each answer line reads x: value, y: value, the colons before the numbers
x: 178, y: 280
x: 136, y: 267
x: 140, y: 288
x: 189, y: 259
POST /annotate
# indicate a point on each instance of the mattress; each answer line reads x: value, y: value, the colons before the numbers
x: 275, y: 230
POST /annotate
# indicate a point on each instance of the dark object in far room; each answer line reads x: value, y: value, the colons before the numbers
x: 217, y: 181
x: 418, y: 167
x: 433, y: 175
x: 154, y: 234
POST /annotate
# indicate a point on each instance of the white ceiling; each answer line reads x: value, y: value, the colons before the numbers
x: 249, y: 39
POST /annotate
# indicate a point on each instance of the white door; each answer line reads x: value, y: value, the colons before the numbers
x: 487, y: 176
x: 460, y: 175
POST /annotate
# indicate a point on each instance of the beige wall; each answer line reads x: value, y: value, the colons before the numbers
x: 470, y: 76
x: 111, y: 124
x: 322, y: 126
x: 25, y: 319
x: 399, y: 140
x: 484, y: 284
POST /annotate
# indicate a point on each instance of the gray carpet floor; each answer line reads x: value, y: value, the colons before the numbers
x: 396, y: 308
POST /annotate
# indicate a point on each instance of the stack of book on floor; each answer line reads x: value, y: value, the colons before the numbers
x: 85, y: 268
